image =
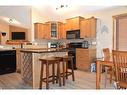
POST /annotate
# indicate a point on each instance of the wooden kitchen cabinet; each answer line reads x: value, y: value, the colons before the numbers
x: 47, y: 30
x: 61, y: 30
x: 55, y: 31
x: 88, y: 28
x: 84, y: 58
x: 73, y: 23
x: 39, y: 30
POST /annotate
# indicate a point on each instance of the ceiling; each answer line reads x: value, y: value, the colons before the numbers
x: 51, y: 13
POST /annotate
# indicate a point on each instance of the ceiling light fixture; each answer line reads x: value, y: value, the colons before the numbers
x: 61, y: 6
x: 10, y: 20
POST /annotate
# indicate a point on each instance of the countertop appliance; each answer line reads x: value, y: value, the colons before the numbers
x: 7, y: 61
x: 85, y: 44
x: 52, y: 45
x: 73, y: 34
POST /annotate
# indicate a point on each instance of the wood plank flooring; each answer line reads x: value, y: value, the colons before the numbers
x: 83, y: 80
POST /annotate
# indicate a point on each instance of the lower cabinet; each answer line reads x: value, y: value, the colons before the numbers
x: 84, y: 58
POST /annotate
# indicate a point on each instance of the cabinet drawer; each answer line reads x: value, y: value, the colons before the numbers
x: 82, y: 51
x: 82, y: 57
x: 82, y: 54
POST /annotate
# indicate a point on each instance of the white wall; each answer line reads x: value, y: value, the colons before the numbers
x: 22, y: 14
x: 4, y: 27
x: 36, y: 17
x: 105, y: 27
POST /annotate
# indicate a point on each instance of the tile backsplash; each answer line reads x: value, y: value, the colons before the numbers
x: 44, y: 42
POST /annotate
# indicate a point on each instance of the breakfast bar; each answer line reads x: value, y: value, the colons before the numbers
x: 31, y: 65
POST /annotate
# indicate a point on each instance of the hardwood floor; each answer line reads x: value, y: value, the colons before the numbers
x: 83, y: 80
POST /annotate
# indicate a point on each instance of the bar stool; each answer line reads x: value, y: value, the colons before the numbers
x: 68, y: 73
x: 65, y: 72
x: 50, y: 61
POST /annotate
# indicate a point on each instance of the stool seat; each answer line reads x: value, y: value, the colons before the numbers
x: 49, y: 59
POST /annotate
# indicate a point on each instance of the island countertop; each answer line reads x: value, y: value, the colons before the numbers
x: 44, y: 50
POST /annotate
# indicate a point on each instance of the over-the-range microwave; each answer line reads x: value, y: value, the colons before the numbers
x: 73, y: 34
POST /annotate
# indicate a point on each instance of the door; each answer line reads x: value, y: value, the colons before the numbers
x: 120, y: 33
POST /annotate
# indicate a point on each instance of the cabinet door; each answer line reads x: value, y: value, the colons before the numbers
x: 82, y: 59
x: 88, y: 28
x: 39, y: 30
x: 61, y: 31
x: 85, y: 29
x: 73, y: 23
x: 93, y: 27
x: 69, y: 24
x: 47, y: 30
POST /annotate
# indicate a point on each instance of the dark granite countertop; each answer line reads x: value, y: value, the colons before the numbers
x: 44, y: 50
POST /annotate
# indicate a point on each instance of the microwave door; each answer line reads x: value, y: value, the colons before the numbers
x: 70, y: 36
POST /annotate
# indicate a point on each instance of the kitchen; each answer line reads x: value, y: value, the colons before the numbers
x: 94, y: 40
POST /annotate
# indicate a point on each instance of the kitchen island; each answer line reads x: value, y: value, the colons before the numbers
x: 31, y: 66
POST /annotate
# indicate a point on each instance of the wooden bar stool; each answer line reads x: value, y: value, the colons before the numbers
x: 65, y: 72
x: 50, y: 61
x: 62, y: 74
x: 68, y: 73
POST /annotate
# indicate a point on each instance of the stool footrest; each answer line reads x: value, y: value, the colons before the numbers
x: 50, y: 79
x: 69, y: 73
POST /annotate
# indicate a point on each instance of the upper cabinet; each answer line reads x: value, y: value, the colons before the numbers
x: 49, y: 30
x: 73, y: 23
x: 39, y: 30
x: 61, y: 30
x: 88, y: 28
x: 53, y: 29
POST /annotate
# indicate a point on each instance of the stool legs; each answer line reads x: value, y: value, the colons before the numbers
x: 63, y: 72
x: 58, y: 72
x: 72, y: 69
x: 66, y: 69
x: 47, y: 75
x: 41, y: 77
x: 53, y: 73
